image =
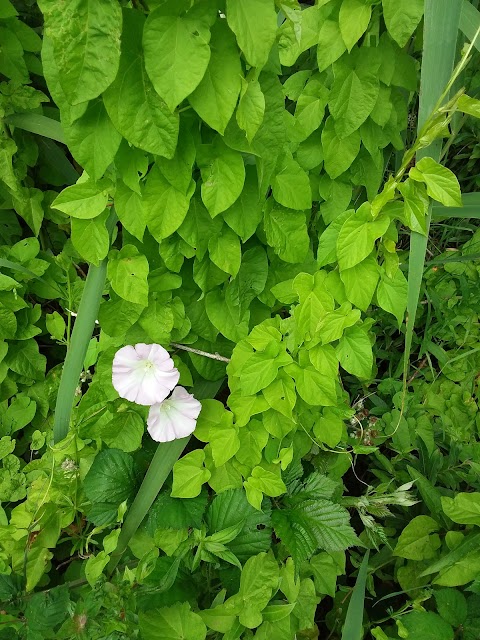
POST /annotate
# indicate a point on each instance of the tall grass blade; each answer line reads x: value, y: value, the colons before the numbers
x: 81, y: 335
x: 470, y: 21
x: 442, y: 18
x: 470, y: 208
x: 36, y: 123
x: 353, y: 627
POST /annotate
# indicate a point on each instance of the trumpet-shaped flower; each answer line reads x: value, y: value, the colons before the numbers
x: 144, y: 374
x: 175, y: 417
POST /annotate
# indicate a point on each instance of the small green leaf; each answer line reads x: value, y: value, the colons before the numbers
x: 177, y: 622
x: 354, y: 352
x: 251, y: 108
x: 338, y: 153
x: 392, y: 295
x: 291, y: 186
x: 127, y: 271
x: 354, y: 19
x: 223, y: 176
x: 225, y: 250
x: 83, y: 200
x: 91, y: 238
x: 286, y: 232
x: 357, y: 236
x: 189, y: 474
x: 442, y: 184
x: 254, y: 22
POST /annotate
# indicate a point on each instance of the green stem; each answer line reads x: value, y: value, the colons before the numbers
x: 166, y: 455
x: 81, y: 335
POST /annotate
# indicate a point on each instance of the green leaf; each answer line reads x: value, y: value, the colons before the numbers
x: 415, y: 208
x: 94, y: 567
x: 36, y: 564
x: 215, y: 98
x: 225, y: 251
x: 223, y: 176
x: 92, y: 139
x: 280, y: 395
x: 130, y: 210
x: 231, y: 507
x: 425, y: 625
x: 12, y: 63
x: 86, y: 40
x: 83, y: 200
x: 392, y: 295
x: 338, y: 154
x: 464, y: 508
x: 45, y: 611
x: 442, y: 184
x: 91, y: 238
x: 127, y: 271
x: 291, y: 185
x: 469, y: 105
x: 189, y: 474
x: 109, y: 482
x: 329, y: 428
x: 452, y: 606
x: 286, y: 232
x: 352, y: 99
x: 177, y: 622
x: 354, y: 352
x: 251, y: 108
x: 354, y: 18
x: 330, y: 44
x: 254, y: 22
x: 184, y: 42
x: 314, y: 387
x: 55, y: 325
x: 124, y: 431
x: 310, y: 525
x: 357, y: 236
x: 361, y: 281
x: 7, y: 10
x: 224, y: 442
x: 165, y: 206
x: 418, y: 541
x: 402, y: 20
x: 24, y: 358
x: 136, y: 110
x: 226, y: 317
x: 175, y: 513
x: 262, y: 482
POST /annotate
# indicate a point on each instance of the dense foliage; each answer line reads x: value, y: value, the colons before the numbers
x: 239, y: 178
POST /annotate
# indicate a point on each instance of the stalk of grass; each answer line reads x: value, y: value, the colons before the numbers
x: 81, y: 335
x: 470, y: 21
x: 441, y: 23
x: 36, y: 123
x: 352, y: 629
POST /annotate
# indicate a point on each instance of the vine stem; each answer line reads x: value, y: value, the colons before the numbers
x: 205, y: 354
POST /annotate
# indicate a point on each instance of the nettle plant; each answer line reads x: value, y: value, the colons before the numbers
x: 241, y: 192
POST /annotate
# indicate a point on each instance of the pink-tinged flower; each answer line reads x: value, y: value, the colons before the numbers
x: 175, y: 417
x: 144, y: 374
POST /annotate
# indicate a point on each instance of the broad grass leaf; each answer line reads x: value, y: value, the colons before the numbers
x: 136, y: 110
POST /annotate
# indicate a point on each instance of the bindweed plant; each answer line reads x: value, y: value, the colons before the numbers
x: 210, y: 425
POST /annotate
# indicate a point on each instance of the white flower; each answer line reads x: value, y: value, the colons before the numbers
x: 144, y: 374
x: 175, y: 417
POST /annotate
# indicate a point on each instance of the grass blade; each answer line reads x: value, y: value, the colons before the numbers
x: 470, y: 21
x: 81, y: 335
x: 442, y: 18
x: 353, y: 627
x: 470, y: 209
x: 36, y: 123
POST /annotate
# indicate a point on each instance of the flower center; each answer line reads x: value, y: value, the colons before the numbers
x: 148, y: 365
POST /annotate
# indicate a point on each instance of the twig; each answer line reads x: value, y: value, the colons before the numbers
x: 205, y: 354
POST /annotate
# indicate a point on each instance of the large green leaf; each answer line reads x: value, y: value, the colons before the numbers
x: 354, y: 352
x: 216, y: 96
x: 137, y: 112
x: 402, y: 18
x: 86, y: 41
x: 254, y: 22
x: 177, y: 622
x: 185, y: 53
x: 353, y: 19
x: 223, y: 176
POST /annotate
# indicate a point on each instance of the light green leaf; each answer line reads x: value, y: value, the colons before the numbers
x: 92, y: 139
x: 402, y: 18
x: 415, y: 206
x: 261, y: 368
x: 354, y: 352
x: 357, y: 236
x: 86, y: 40
x: 286, y: 232
x: 165, y: 206
x: 426, y: 625
x: 354, y: 19
x: 360, y: 282
x: 225, y: 316
x: 251, y: 108
x: 254, y: 22
x: 224, y: 442
x: 469, y: 105
x: 225, y: 251
x: 392, y: 295
x: 177, y: 622
x: 261, y: 482
x: 130, y: 211
x: 216, y: 96
x: 464, y: 508
x: 189, y: 474
x: 94, y: 567
x: 291, y: 185
x: 55, y: 325
x: 223, y: 176
x: 442, y: 184
x: 329, y: 428
x: 124, y: 431
x: 352, y: 99
x: 127, y: 271
x: 333, y: 324
x: 330, y: 44
x: 7, y: 10
x: 338, y: 154
x: 452, y: 606
x: 281, y: 395
x: 246, y: 212
x: 184, y: 43
x: 90, y: 238
x: 136, y: 110
x: 83, y: 200
x: 416, y: 541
